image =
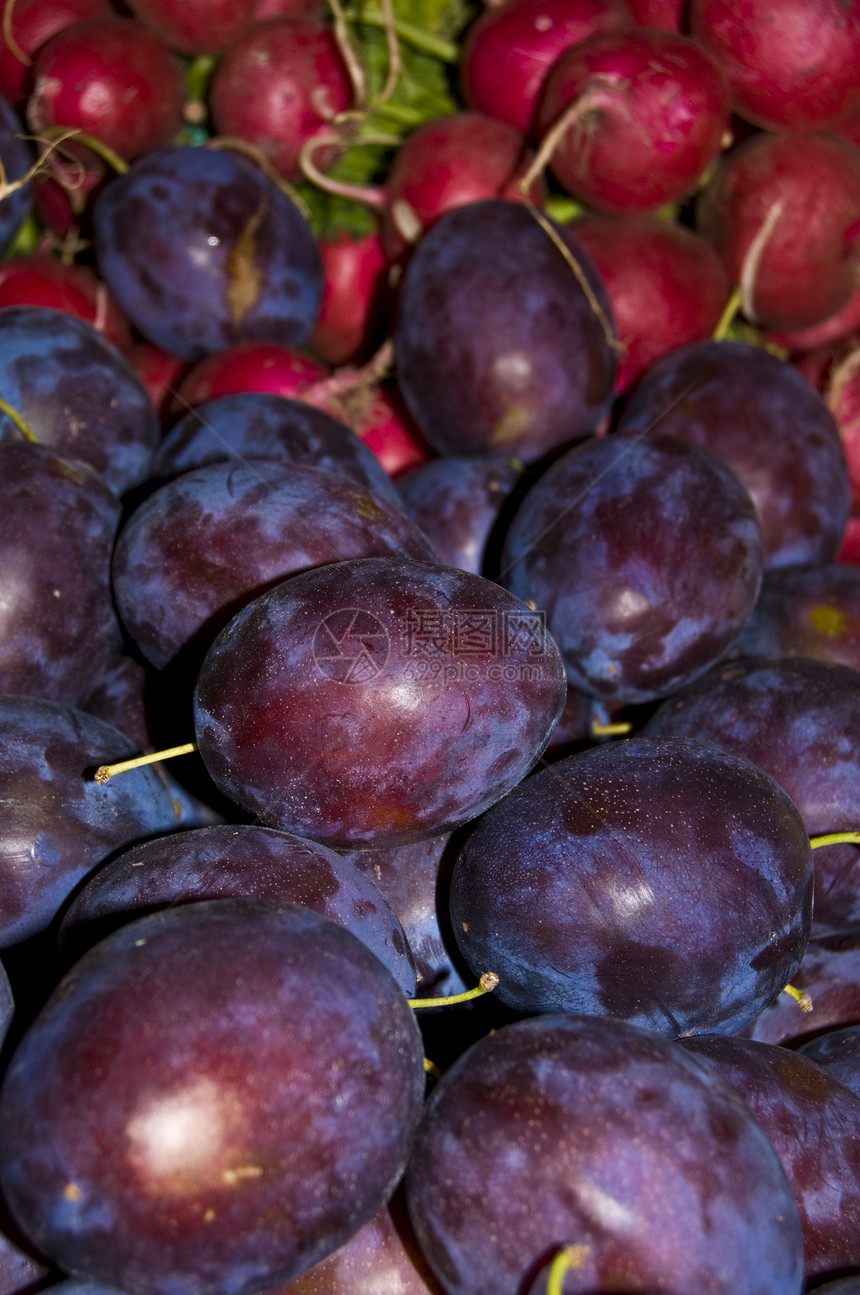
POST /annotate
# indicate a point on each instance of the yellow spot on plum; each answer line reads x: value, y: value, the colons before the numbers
x: 828, y: 620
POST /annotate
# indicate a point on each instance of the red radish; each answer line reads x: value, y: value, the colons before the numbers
x: 849, y: 128
x: 30, y: 24
x: 111, y: 79
x: 195, y: 26
x: 783, y: 211
x: 380, y: 417
x: 352, y: 315
x: 842, y: 393
x: 666, y: 286
x: 159, y: 371
x: 43, y: 281
x: 850, y: 551
x: 640, y: 116
x: 279, y: 86
x: 447, y: 163
x: 252, y: 366
x: 833, y: 329
x: 793, y: 64
x: 266, y: 9
x: 665, y: 15
x: 508, y: 52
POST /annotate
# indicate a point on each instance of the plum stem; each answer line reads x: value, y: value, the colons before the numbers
x: 835, y: 838
x: 431, y: 1069
x: 804, y: 1002
x: 23, y: 427
x: 620, y: 729
x: 107, y: 771
x: 567, y: 1259
x: 485, y: 985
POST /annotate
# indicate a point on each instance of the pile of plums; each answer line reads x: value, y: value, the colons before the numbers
x: 438, y: 428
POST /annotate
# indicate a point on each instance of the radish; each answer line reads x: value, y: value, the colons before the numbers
x: 195, y: 26
x: 352, y: 316
x: 43, y: 281
x: 25, y: 29
x: 509, y: 51
x: 783, y: 211
x: 111, y: 79
x: 446, y: 163
x: 280, y: 85
x: 793, y: 64
x: 666, y: 285
x: 251, y: 366
x: 635, y: 117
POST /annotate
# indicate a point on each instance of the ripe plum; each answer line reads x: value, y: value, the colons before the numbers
x: 457, y: 503
x: 76, y: 392
x: 202, y: 250
x: 659, y: 880
x: 57, y: 823
x: 203, y: 545
x: 58, y: 628
x: 499, y: 348
x: 813, y: 1122
x: 830, y: 975
x: 838, y: 1051
x: 566, y: 1130
x: 377, y: 701
x: 242, y: 861
x: 257, y: 425
x: 799, y: 720
x: 769, y: 424
x: 647, y: 558
x: 807, y: 611
x: 239, y: 1063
